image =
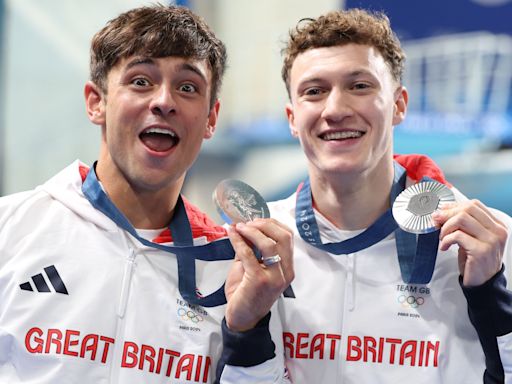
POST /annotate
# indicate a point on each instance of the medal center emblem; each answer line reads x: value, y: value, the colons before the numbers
x: 245, y: 205
x: 423, y: 203
x: 413, y: 208
x: 238, y: 202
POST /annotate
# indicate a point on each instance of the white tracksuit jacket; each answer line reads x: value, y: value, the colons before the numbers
x: 82, y: 301
x: 354, y: 321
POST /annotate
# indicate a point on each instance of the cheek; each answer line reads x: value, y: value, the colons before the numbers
x: 118, y: 127
x: 306, y: 142
x: 306, y: 116
x: 378, y: 114
x: 200, y: 122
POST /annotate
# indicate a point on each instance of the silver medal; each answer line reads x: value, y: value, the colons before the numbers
x: 238, y: 202
x: 413, y: 208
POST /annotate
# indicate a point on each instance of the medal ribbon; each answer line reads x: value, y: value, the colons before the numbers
x: 416, y: 254
x: 184, y: 249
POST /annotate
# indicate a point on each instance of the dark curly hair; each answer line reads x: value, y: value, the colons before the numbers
x: 157, y: 31
x: 343, y: 27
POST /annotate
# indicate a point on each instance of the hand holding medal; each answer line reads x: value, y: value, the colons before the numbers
x: 238, y: 202
x: 252, y: 287
x: 430, y: 206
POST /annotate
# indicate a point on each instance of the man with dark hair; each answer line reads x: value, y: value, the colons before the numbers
x: 374, y: 303
x: 108, y: 275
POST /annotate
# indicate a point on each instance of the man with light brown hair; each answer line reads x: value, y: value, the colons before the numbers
x: 372, y: 302
x: 109, y: 275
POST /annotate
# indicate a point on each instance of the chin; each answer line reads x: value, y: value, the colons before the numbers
x: 344, y: 167
x: 150, y: 179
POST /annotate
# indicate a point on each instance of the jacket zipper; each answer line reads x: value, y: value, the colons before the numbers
x: 121, y: 310
x: 127, y: 279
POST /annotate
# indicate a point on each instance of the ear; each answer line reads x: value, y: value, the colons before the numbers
x: 212, y: 120
x: 400, y: 107
x: 291, y: 120
x: 94, y: 103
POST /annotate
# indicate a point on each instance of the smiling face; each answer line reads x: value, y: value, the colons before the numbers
x: 154, y: 117
x: 344, y: 103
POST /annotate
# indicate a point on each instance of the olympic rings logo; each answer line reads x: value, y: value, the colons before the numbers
x: 411, y: 301
x: 189, y: 315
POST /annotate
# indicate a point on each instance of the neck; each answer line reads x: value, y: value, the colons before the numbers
x: 144, y: 209
x: 353, y: 201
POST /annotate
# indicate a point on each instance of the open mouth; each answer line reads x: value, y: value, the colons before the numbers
x: 159, y: 139
x: 341, y: 135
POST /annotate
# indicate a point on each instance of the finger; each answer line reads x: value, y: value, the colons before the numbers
x: 474, y: 208
x: 489, y: 213
x: 466, y: 223
x: 477, y: 222
x: 479, y: 262
x: 260, y: 221
x: 280, y: 233
x: 485, y: 253
x: 271, y: 261
x: 243, y: 251
x: 266, y: 245
x: 282, y: 239
x: 462, y: 239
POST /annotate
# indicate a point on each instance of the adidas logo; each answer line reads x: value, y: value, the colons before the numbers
x: 41, y: 284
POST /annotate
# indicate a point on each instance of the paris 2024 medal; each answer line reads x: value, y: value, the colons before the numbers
x: 413, y: 208
x: 238, y: 202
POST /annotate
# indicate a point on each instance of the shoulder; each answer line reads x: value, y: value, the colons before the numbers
x: 11, y: 206
x: 28, y: 209
x: 20, y: 215
x: 15, y: 199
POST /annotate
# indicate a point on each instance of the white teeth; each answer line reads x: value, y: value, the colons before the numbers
x: 160, y: 130
x: 342, y: 135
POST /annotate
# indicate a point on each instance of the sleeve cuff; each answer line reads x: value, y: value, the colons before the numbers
x: 248, y: 348
x: 490, y: 304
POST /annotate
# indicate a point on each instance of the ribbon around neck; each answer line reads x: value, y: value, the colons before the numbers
x: 184, y: 249
x: 416, y: 253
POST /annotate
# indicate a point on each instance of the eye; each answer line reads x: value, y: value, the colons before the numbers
x: 360, y: 86
x: 187, y: 88
x: 141, y: 82
x: 313, y: 91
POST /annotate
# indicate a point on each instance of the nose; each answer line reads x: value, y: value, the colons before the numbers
x: 336, y: 106
x: 162, y: 102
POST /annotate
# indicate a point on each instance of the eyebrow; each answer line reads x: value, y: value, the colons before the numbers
x: 182, y: 67
x: 193, y: 68
x: 359, y: 72
x: 140, y: 61
x: 351, y: 75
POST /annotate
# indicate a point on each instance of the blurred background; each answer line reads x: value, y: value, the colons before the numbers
x: 459, y: 76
